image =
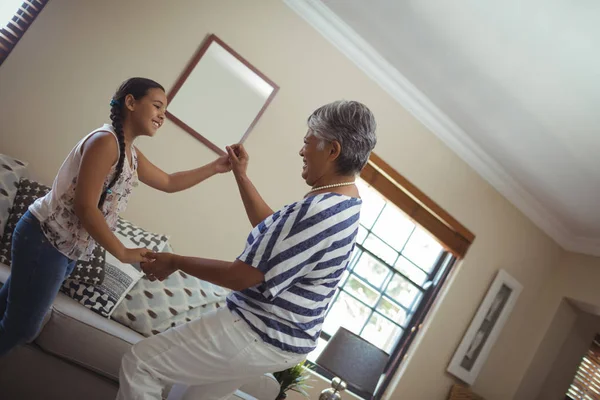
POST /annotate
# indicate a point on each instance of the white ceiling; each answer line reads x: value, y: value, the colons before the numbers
x: 511, y: 86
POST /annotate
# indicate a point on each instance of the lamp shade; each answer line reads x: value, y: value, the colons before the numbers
x: 354, y: 360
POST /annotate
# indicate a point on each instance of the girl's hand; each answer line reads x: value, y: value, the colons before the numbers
x: 239, y: 159
x: 159, y: 266
x: 222, y: 164
x: 133, y: 256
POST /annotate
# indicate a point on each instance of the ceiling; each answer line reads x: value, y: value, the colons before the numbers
x: 512, y: 87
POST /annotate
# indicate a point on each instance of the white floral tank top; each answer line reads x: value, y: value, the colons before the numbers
x: 56, y: 213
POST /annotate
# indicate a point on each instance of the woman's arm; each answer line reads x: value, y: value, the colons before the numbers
x: 100, y: 153
x: 156, y: 178
x: 235, y: 276
x: 256, y: 208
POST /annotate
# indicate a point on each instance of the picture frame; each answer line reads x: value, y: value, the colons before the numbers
x: 480, y: 337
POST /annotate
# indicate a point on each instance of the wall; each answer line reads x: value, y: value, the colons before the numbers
x: 55, y: 87
x: 562, y: 326
x: 569, y: 357
x: 573, y: 327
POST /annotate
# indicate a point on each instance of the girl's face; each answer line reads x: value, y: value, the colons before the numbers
x: 147, y: 113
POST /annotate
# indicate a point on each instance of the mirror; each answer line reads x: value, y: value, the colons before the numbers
x: 220, y: 96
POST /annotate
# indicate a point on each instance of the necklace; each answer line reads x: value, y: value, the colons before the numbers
x: 330, y: 186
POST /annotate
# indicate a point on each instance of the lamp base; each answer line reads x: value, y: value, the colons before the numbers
x: 334, y: 392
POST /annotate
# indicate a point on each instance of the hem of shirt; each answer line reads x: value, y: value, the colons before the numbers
x: 41, y: 221
x: 258, y: 333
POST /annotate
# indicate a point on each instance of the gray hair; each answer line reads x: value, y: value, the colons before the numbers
x: 352, y: 125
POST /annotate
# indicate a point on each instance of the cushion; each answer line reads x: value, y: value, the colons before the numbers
x: 153, y: 307
x: 91, y: 272
x: 28, y: 191
x: 76, y: 334
x: 119, y: 278
x: 11, y: 172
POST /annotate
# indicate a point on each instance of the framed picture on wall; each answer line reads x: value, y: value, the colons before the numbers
x: 471, y: 354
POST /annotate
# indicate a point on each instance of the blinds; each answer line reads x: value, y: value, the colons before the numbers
x: 586, y: 385
x: 418, y: 206
x: 18, y: 25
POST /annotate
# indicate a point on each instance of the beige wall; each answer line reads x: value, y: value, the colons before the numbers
x: 571, y: 331
x: 55, y: 87
x: 562, y: 326
x: 567, y: 361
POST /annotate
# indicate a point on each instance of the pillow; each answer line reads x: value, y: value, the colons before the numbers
x: 27, y: 193
x: 85, y: 271
x: 153, y: 307
x: 91, y: 272
x: 119, y: 278
x: 11, y: 172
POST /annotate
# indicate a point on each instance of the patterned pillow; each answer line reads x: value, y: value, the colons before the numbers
x: 11, y: 172
x: 27, y: 193
x: 86, y: 271
x: 153, y: 307
x: 119, y: 278
x: 92, y: 271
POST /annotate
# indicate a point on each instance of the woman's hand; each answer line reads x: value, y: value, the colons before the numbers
x: 239, y: 159
x: 159, y: 266
x: 222, y: 164
x: 133, y: 256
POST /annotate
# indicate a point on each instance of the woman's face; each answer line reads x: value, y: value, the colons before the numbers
x: 148, y: 113
x: 316, y: 161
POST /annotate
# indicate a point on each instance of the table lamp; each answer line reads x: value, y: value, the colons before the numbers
x: 352, y: 360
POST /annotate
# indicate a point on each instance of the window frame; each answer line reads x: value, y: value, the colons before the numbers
x: 425, y: 213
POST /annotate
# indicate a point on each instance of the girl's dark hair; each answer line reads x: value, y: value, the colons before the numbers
x: 138, y: 88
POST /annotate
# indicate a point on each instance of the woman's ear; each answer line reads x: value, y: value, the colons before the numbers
x: 335, y: 150
x: 130, y: 102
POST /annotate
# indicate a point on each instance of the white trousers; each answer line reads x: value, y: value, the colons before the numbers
x: 218, y: 352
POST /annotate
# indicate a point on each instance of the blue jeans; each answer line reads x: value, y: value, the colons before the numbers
x: 37, y: 273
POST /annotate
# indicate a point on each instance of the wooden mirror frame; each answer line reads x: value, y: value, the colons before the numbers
x: 186, y: 73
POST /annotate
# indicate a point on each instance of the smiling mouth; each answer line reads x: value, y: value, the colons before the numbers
x: 156, y: 124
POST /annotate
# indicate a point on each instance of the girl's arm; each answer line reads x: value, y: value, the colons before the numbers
x: 100, y: 153
x: 156, y: 178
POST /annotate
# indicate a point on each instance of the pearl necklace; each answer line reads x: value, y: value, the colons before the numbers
x: 330, y: 186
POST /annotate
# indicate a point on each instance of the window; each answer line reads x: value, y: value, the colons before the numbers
x: 396, y: 270
x: 15, y: 19
x: 586, y: 385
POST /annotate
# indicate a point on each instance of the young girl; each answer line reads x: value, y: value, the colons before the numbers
x: 91, y: 189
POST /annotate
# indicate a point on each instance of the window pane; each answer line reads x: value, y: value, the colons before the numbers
x: 371, y: 270
x: 361, y: 235
x: 356, y: 254
x: 345, y: 276
x: 411, y: 271
x: 372, y: 204
x: 392, y: 310
x: 381, y: 332
x: 393, y: 227
x: 8, y: 8
x: 313, y: 355
x: 361, y: 290
x: 403, y: 291
x: 380, y: 249
x: 346, y: 312
x: 422, y: 249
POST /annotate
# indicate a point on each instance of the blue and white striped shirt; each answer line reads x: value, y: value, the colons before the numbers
x: 302, y: 249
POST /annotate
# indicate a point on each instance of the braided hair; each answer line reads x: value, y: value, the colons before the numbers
x: 138, y: 88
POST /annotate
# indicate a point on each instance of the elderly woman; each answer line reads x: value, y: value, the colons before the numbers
x: 283, y: 281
